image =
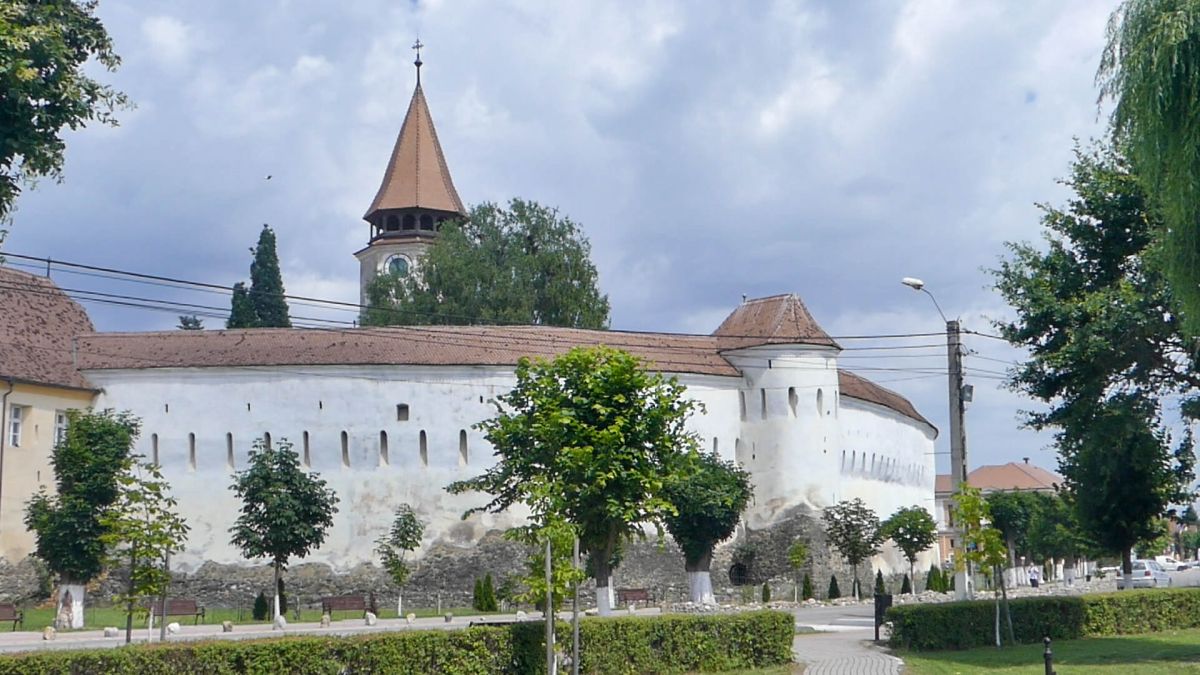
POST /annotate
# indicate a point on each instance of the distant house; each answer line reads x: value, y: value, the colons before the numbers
x: 991, y: 478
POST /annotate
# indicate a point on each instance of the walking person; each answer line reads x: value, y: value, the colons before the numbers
x: 1035, y: 575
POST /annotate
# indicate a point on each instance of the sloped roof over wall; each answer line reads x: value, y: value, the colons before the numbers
x: 37, y: 324
x: 778, y: 319
x: 1011, y: 476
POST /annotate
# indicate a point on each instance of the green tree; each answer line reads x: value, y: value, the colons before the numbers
x: 854, y: 530
x: 67, y: 526
x: 563, y: 573
x: 403, y: 538
x: 834, y: 592
x: 798, y: 559
x: 913, y: 530
x: 263, y: 305
x: 1149, y: 70
x: 708, y: 502
x: 142, y: 528
x: 880, y: 588
x: 1191, y: 544
x: 934, y: 580
x: 489, y: 593
x: 983, y: 546
x: 525, y: 264
x: 190, y: 322
x: 806, y: 589
x: 1013, y: 513
x: 593, y: 439
x: 1054, y: 532
x: 285, y: 512
x: 261, y: 609
x: 45, y: 49
x: 1102, y: 329
x: 906, y: 586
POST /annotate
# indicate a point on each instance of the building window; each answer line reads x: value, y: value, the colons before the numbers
x: 424, y: 444
x: 383, y: 449
x: 345, y: 449
x: 762, y: 398
x: 307, y: 454
x: 742, y: 405
x: 401, y: 412
x: 229, y: 463
x: 266, y: 440
x: 793, y: 400
x: 715, y: 445
x: 154, y: 449
x: 60, y: 426
x: 426, y: 221
x: 191, y: 451
x: 410, y: 222
x: 393, y: 223
x: 16, y: 416
x: 462, y: 448
x: 820, y: 401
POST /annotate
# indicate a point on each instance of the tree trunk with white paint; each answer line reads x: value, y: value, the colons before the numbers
x: 70, y: 605
x: 275, y: 612
x: 700, y: 590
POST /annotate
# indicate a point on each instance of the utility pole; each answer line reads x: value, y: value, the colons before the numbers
x: 551, y: 662
x: 958, y: 438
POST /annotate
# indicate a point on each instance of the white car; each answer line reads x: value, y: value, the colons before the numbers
x: 1146, y: 574
x: 1170, y: 564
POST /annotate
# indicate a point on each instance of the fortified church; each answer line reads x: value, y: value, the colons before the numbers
x: 386, y: 414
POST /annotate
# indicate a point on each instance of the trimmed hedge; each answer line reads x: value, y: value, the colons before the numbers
x: 611, y: 646
x: 963, y: 625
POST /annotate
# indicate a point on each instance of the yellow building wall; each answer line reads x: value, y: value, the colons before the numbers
x: 27, y: 466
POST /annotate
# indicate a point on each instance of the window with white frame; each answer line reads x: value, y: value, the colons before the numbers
x: 16, y: 416
x: 60, y: 426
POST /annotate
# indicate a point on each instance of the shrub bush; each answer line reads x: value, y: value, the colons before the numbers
x: 880, y: 589
x: 963, y: 625
x: 934, y: 581
x: 766, y: 593
x: 609, y: 646
x: 261, y: 610
x: 834, y: 592
x: 806, y: 588
x: 906, y: 587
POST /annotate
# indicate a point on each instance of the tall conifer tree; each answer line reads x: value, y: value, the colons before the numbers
x: 266, y: 283
x: 242, y: 313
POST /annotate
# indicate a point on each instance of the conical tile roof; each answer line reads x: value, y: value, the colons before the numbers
x: 417, y: 175
x: 779, y: 319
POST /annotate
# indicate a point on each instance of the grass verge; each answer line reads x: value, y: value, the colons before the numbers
x: 1164, y: 653
x: 96, y: 618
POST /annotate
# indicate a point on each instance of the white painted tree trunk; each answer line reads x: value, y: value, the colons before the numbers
x: 75, y: 611
x: 399, y: 605
x: 604, y: 599
x: 700, y: 588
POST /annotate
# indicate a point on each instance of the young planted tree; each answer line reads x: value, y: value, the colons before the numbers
x: 263, y: 304
x: 285, y: 512
x: 47, y: 49
x: 798, y: 560
x: 591, y: 439
x: 190, y: 322
x: 854, y: 530
x: 563, y: 573
x: 403, y: 538
x: 67, y: 526
x: 913, y: 530
x: 983, y: 546
x: 143, y: 528
x: 524, y: 264
x: 708, y: 502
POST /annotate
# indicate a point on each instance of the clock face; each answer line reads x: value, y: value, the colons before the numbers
x: 397, y: 265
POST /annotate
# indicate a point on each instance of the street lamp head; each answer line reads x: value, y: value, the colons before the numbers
x: 915, y: 284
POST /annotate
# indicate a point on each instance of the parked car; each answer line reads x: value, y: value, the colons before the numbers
x: 1170, y: 564
x: 1146, y: 574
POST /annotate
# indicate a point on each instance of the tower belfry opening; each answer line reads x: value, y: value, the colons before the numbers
x: 415, y: 197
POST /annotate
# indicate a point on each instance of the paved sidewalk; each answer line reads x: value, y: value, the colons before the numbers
x: 845, y: 652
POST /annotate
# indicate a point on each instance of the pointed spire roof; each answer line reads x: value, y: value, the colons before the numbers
x: 779, y: 319
x: 417, y: 175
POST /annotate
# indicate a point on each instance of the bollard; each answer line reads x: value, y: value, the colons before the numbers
x: 1048, y: 656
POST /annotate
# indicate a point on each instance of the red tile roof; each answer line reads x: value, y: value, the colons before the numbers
x: 417, y: 175
x: 778, y: 319
x: 37, y: 323
x: 1011, y: 476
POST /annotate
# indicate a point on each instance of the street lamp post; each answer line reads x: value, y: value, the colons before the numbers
x: 958, y: 436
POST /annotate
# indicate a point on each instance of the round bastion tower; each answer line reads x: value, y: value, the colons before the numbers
x: 788, y: 403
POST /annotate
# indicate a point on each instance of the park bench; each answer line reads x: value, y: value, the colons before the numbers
x: 629, y: 596
x: 9, y: 612
x: 181, y: 607
x: 344, y: 603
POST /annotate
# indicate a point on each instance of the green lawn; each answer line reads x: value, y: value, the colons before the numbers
x: 1164, y: 653
x: 98, y: 617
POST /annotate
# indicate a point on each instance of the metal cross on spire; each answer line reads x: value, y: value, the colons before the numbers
x: 417, y: 48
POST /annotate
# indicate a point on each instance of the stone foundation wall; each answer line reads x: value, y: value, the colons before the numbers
x: 447, y: 572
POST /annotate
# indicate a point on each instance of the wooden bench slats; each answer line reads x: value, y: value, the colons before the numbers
x: 346, y: 603
x: 628, y: 595
x: 9, y: 612
x: 181, y: 607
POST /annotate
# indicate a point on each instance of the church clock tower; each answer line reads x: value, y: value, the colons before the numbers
x: 414, y: 199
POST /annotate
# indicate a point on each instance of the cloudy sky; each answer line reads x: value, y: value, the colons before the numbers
x: 709, y: 150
